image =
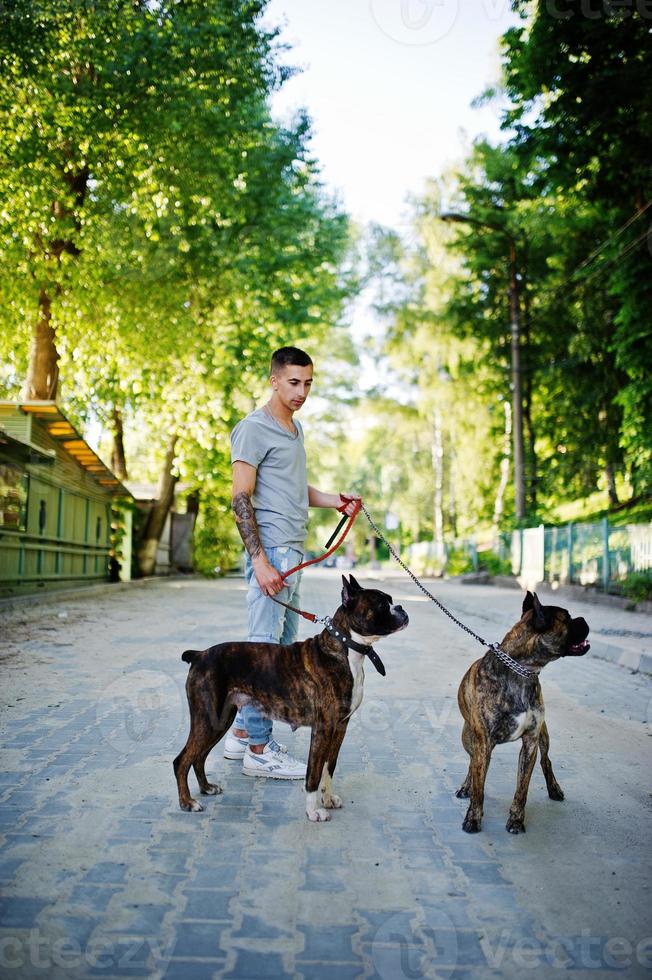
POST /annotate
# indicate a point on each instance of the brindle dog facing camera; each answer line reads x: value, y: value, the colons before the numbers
x: 498, y: 705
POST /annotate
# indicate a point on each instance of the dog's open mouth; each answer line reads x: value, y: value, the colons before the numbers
x: 579, y: 632
x: 579, y: 649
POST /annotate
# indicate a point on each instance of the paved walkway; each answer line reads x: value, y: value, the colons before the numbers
x: 103, y: 876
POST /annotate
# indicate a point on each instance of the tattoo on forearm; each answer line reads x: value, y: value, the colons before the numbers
x: 246, y: 523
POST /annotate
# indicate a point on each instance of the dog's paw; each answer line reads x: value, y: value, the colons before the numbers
x: 192, y: 806
x: 556, y: 792
x: 463, y: 793
x: 515, y: 825
x: 471, y: 825
x: 331, y: 801
x: 213, y: 789
x: 318, y: 815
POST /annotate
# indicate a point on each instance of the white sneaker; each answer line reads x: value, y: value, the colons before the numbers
x: 274, y: 762
x: 235, y: 747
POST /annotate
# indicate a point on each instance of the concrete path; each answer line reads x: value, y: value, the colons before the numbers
x: 103, y: 876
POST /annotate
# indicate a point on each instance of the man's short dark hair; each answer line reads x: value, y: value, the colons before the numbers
x: 285, y: 356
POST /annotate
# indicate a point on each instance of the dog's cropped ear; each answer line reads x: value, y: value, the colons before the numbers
x: 531, y: 601
x: 355, y: 585
x: 349, y: 589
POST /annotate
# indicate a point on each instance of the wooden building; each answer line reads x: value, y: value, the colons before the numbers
x: 56, y: 499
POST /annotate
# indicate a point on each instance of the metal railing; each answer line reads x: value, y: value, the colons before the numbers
x: 596, y: 554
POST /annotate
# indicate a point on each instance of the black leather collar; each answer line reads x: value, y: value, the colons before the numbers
x: 354, y: 645
x: 342, y: 637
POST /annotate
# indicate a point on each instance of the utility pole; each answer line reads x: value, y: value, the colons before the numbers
x: 515, y: 333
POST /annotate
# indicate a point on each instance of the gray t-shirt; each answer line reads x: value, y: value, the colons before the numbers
x: 281, y: 496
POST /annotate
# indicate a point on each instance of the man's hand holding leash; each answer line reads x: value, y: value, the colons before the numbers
x: 269, y: 579
x: 344, y: 502
x: 347, y: 503
x: 244, y: 481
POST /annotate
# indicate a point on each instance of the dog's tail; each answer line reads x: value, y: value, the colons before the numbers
x: 189, y: 655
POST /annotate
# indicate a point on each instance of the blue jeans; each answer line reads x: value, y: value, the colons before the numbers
x: 267, y: 622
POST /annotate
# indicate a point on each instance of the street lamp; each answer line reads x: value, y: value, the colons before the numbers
x: 517, y: 397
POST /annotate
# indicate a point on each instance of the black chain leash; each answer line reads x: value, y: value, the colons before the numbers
x: 494, y: 647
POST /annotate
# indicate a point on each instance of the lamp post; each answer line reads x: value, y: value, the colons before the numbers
x: 515, y: 331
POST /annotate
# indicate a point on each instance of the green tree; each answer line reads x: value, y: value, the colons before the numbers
x: 578, y: 92
x: 126, y: 135
x: 447, y: 423
x: 570, y: 374
x: 196, y: 237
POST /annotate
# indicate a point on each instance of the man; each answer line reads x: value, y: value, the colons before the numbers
x: 271, y: 497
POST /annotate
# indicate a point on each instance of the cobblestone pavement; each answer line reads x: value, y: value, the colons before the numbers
x: 103, y: 876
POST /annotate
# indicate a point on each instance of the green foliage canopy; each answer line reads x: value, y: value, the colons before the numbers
x: 178, y: 232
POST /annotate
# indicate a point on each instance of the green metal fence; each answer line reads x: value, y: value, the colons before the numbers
x: 596, y: 554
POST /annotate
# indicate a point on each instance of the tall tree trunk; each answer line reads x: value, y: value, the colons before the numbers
x: 42, y: 379
x: 531, y: 441
x: 438, y: 468
x: 118, y: 459
x: 610, y: 476
x: 517, y: 394
x: 611, y: 427
x: 504, y: 469
x: 533, y: 479
x: 633, y: 479
x: 43, y: 371
x: 156, y: 520
x: 452, y: 484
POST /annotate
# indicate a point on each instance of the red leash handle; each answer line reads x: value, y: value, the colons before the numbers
x: 345, y: 503
x: 314, y: 561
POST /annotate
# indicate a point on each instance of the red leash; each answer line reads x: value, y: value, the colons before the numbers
x: 314, y: 561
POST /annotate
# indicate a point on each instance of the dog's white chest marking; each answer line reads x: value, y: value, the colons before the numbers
x: 526, y: 720
x: 356, y: 666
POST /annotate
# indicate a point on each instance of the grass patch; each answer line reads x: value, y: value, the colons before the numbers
x: 592, y: 510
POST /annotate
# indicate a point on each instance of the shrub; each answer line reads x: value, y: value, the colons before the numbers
x: 638, y: 586
x: 490, y: 562
x: 458, y: 561
x: 217, y: 545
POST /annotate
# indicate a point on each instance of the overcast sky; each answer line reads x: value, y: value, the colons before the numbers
x: 389, y: 85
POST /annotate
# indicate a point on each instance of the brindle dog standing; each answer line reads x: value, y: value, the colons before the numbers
x: 315, y: 682
x: 498, y: 705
